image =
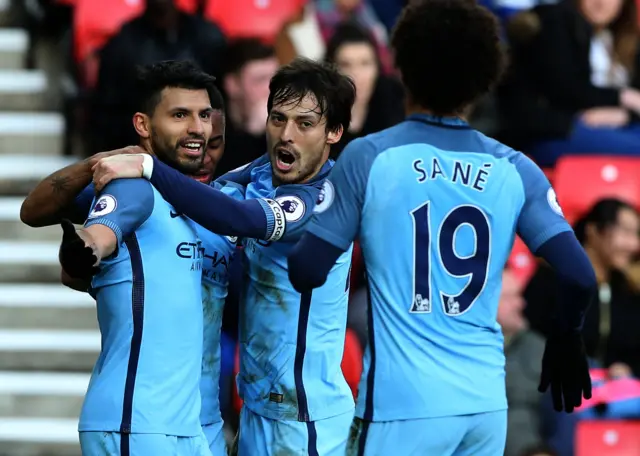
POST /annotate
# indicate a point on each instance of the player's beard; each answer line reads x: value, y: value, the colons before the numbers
x: 168, y: 154
x: 303, y: 168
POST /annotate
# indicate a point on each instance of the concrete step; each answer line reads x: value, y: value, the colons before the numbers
x: 42, y: 306
x: 23, y: 90
x: 39, y: 437
x: 19, y: 174
x: 12, y: 228
x: 23, y: 261
x: 31, y: 133
x: 14, y: 44
x: 42, y: 394
x: 48, y: 350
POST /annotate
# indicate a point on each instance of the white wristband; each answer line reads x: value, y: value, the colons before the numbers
x: 147, y: 166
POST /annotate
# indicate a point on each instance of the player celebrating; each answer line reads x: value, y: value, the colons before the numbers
x: 296, y: 399
x: 436, y: 206
x: 170, y: 121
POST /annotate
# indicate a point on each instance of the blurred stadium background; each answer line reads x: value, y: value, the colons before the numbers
x: 65, y: 68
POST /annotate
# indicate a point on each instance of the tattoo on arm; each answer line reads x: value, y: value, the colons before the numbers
x: 64, y: 188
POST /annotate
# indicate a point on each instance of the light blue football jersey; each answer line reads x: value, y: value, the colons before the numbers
x: 149, y: 304
x: 218, y: 251
x: 436, y: 206
x: 291, y: 345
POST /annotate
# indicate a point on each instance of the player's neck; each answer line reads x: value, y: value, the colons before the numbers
x: 411, y: 109
x: 147, y: 147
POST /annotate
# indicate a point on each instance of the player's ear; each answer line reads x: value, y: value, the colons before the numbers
x: 333, y: 136
x: 142, y: 124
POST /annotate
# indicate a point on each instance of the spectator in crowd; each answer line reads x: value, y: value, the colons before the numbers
x: 331, y: 13
x: 609, y: 234
x: 162, y: 32
x: 574, y: 79
x: 379, y: 98
x: 250, y: 64
x: 523, y: 353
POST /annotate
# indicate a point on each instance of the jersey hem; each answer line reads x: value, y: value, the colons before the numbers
x: 115, y: 427
x: 421, y: 416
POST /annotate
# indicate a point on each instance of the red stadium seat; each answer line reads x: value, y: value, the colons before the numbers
x: 608, y: 438
x: 95, y: 22
x: 582, y: 181
x: 521, y: 261
x: 252, y: 18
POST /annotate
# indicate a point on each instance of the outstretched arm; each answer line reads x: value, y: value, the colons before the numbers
x: 211, y: 208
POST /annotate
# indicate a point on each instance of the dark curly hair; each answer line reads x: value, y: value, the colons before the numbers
x: 448, y: 52
x: 334, y: 92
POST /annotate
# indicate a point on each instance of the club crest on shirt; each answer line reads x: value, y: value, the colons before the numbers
x: 292, y: 206
x: 553, y: 201
x: 325, y: 197
x: 232, y: 239
x: 106, y: 204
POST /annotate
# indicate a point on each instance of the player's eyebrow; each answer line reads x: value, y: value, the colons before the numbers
x: 309, y: 115
x: 208, y: 110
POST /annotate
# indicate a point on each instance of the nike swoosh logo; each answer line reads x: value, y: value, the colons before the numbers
x: 174, y: 214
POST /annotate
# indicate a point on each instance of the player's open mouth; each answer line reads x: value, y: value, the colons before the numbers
x: 284, y: 160
x: 204, y: 178
x: 192, y: 147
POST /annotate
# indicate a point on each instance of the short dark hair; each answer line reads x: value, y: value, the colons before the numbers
x: 241, y: 51
x: 348, y: 32
x: 334, y: 92
x: 448, y: 52
x: 603, y: 214
x: 152, y: 79
x: 216, y: 99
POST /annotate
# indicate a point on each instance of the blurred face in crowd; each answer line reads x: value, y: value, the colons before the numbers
x: 179, y: 128
x: 601, y: 13
x: 511, y: 305
x: 214, y: 151
x: 359, y: 62
x: 298, y: 140
x: 616, y: 244
x: 347, y: 5
x: 250, y: 87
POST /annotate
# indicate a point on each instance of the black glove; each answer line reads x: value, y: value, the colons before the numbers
x: 76, y: 259
x: 566, y: 369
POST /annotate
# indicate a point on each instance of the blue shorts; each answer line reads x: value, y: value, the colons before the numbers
x: 260, y: 436
x: 482, y: 434
x: 215, y: 438
x: 117, y: 444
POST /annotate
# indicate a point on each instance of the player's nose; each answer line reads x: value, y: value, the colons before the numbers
x: 196, y: 126
x: 287, y: 132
